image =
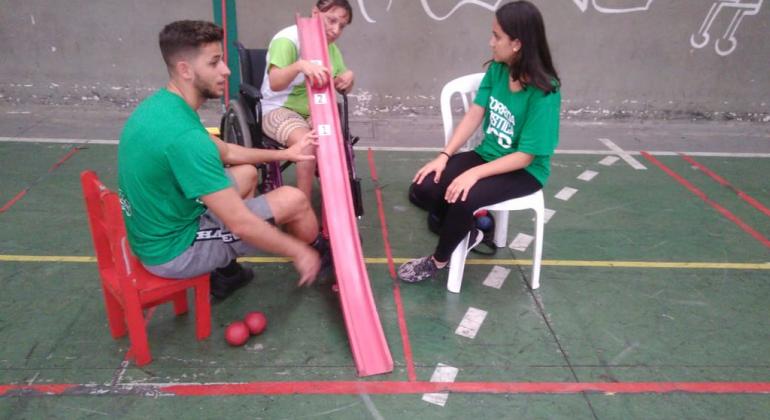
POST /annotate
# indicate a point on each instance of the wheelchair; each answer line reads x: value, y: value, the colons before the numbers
x: 242, y: 124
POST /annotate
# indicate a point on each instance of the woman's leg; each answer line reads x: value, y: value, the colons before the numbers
x: 429, y: 195
x: 458, y: 219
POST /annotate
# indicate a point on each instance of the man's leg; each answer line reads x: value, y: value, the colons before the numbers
x: 291, y: 208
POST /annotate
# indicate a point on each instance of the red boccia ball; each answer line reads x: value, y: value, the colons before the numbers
x: 256, y: 322
x: 237, y: 333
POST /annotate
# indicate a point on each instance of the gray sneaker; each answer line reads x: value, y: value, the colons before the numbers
x: 417, y: 270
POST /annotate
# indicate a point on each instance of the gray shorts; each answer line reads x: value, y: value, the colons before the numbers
x: 214, y: 246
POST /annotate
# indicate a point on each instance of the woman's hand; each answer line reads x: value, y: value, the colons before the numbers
x: 296, y: 152
x: 461, y: 185
x: 344, y: 82
x: 318, y: 75
x: 437, y: 166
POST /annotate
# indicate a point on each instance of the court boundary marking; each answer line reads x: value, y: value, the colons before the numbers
x: 156, y: 390
x: 471, y: 261
x: 423, y: 149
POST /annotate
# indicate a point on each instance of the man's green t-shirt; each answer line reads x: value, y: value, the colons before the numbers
x: 525, y: 121
x: 166, y: 161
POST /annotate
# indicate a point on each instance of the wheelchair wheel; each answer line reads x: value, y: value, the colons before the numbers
x: 235, y: 128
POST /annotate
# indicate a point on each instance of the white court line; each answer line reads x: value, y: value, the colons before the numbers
x: 587, y: 175
x: 443, y: 373
x: 609, y: 160
x: 471, y: 322
x: 421, y: 149
x: 50, y: 140
x: 566, y: 193
x: 623, y: 154
x: 496, y: 277
x: 548, y: 215
x: 521, y: 242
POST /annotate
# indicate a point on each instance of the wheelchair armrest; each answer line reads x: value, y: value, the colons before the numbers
x: 250, y: 92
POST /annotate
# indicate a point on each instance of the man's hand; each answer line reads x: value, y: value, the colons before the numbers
x: 307, y: 263
x: 295, y: 152
x: 344, y: 82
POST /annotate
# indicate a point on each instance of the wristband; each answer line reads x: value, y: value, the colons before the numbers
x: 448, y: 156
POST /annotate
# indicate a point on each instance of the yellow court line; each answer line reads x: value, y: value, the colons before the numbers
x: 500, y: 261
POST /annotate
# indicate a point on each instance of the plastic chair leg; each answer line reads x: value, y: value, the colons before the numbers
x: 115, y: 315
x: 538, y: 255
x: 501, y: 227
x: 202, y: 311
x: 137, y: 333
x: 457, y: 266
x: 180, y: 302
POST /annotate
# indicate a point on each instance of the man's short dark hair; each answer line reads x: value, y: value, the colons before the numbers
x: 186, y: 36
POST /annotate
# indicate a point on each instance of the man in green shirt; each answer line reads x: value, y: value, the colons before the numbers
x: 185, y: 213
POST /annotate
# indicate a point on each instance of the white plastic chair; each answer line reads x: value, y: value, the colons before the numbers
x: 466, y: 87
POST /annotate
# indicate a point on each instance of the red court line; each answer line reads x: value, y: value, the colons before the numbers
x: 749, y: 199
x: 700, y: 194
x: 63, y: 159
x: 410, y: 372
x: 391, y: 388
x: 23, y: 192
x: 13, y: 201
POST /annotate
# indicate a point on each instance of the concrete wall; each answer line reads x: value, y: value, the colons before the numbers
x: 658, y: 58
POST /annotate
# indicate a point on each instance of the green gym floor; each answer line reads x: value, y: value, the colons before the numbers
x: 653, y: 304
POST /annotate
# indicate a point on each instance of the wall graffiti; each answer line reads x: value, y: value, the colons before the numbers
x: 614, y: 6
x: 489, y: 6
x: 727, y: 43
x: 724, y: 45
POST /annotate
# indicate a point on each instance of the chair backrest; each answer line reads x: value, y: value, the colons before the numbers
x: 252, y: 63
x: 113, y: 253
x: 466, y: 86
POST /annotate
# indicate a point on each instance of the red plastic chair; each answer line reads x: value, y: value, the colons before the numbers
x: 128, y: 287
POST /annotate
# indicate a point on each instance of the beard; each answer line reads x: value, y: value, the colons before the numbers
x: 205, y: 90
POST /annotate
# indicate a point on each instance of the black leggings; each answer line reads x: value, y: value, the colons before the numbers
x: 456, y: 219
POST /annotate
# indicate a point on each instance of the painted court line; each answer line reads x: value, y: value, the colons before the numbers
x: 161, y: 390
x: 566, y: 193
x: 587, y: 175
x: 496, y: 277
x: 521, y: 242
x: 623, y: 154
x: 443, y: 374
x: 416, y: 149
x: 700, y: 194
x: 24, y: 192
x: 13, y: 200
x: 713, y: 175
x: 496, y: 261
x: 403, y: 328
x: 471, y: 322
x: 548, y: 214
x: 609, y: 160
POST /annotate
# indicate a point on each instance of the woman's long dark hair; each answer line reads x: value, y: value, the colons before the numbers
x: 532, y: 65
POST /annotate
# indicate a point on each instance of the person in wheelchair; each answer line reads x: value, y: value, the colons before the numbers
x: 286, y: 117
x: 185, y: 213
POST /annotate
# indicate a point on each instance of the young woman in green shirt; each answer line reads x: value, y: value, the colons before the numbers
x: 517, y: 106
